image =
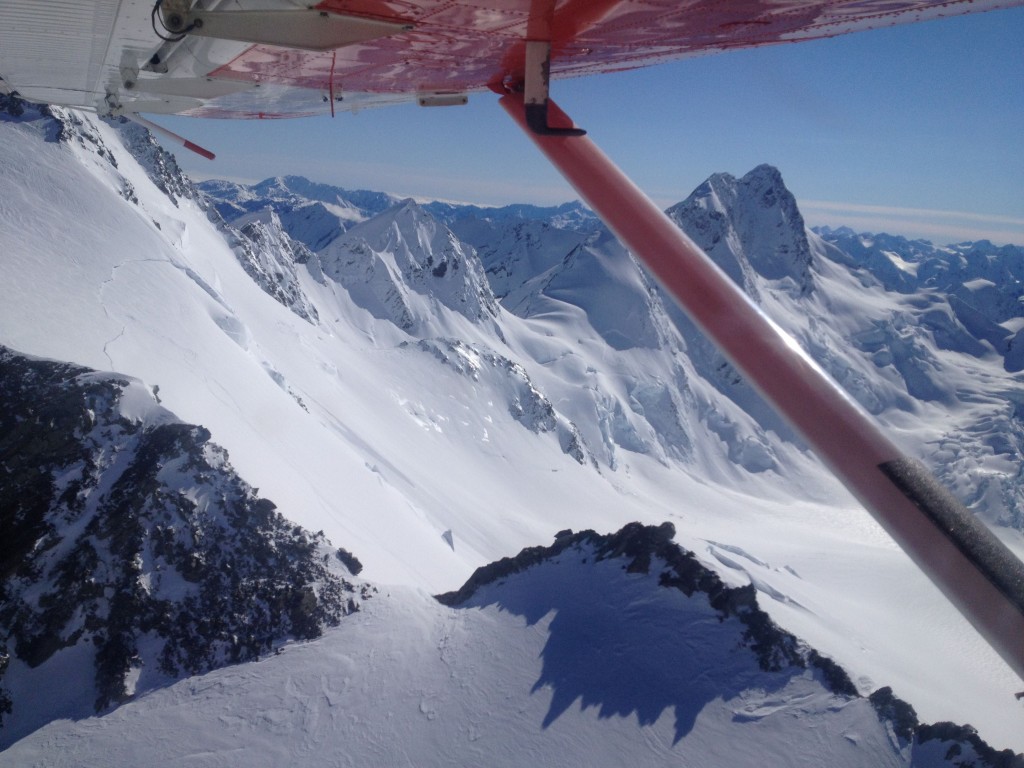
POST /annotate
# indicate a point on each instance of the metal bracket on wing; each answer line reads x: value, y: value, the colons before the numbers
x: 537, y: 76
x: 304, y: 28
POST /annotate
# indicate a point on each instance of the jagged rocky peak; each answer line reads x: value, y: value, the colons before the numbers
x: 683, y: 640
x: 132, y: 552
x: 749, y: 226
x: 397, y: 260
x: 272, y: 259
x: 159, y: 164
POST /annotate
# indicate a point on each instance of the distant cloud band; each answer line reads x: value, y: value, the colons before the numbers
x: 924, y: 213
x: 935, y: 225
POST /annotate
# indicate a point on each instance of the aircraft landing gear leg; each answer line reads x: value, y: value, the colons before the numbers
x: 978, y: 574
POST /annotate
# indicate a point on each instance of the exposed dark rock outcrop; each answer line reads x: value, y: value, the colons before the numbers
x: 129, y: 538
x: 641, y: 548
x: 650, y: 549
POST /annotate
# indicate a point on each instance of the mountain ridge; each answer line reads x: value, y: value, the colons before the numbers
x: 133, y: 549
x: 407, y: 445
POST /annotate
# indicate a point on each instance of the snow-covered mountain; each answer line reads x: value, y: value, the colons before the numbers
x: 316, y: 214
x: 133, y: 554
x: 495, y: 680
x: 399, y: 264
x: 435, y: 387
x: 983, y: 285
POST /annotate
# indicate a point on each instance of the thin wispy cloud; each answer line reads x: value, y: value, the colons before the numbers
x: 936, y: 225
x: 922, y: 213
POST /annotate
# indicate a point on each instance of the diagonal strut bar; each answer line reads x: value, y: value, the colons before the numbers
x: 975, y: 570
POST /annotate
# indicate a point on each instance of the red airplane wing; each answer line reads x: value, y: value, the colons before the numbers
x: 253, y: 58
x: 467, y: 45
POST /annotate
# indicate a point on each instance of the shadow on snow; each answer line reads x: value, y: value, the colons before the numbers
x: 623, y: 644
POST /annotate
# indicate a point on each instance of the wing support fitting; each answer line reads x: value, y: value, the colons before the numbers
x: 979, y: 575
x: 537, y: 78
x: 307, y: 29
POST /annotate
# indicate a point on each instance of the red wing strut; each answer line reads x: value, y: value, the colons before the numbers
x: 981, y: 577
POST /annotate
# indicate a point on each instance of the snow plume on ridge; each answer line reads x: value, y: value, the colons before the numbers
x: 132, y: 550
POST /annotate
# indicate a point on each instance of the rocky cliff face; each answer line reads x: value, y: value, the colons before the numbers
x: 749, y: 226
x: 396, y: 264
x: 563, y: 579
x: 273, y: 260
x: 133, y: 549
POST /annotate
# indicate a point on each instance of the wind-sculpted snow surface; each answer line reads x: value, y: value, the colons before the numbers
x: 132, y: 554
x: 263, y: 249
x: 618, y: 644
x: 599, y: 650
x: 510, y: 382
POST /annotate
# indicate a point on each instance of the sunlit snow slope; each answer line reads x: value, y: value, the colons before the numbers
x: 434, y: 402
x: 598, y: 650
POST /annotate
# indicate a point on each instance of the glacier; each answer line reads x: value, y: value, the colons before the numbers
x: 539, y: 381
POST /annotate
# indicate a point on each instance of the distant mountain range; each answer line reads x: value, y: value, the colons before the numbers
x: 918, y: 302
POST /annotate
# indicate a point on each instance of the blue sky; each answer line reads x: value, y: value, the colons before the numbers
x: 914, y: 130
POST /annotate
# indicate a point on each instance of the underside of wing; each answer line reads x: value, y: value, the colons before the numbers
x: 281, y: 58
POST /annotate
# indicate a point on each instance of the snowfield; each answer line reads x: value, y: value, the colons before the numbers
x: 431, y: 424
x: 574, y: 661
